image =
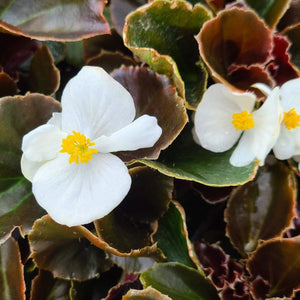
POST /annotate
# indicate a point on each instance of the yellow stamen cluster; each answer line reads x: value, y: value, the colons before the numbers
x: 243, y: 120
x: 77, y: 145
x: 291, y: 119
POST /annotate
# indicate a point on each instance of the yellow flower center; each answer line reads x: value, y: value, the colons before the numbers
x: 77, y: 145
x: 243, y: 120
x: 291, y: 119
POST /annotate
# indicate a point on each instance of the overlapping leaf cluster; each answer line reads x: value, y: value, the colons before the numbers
x: 192, y: 226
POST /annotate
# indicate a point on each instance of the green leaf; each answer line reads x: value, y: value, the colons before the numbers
x: 148, y: 294
x: 172, y: 236
x: 54, y: 19
x: 65, y: 252
x: 185, y: 159
x: 162, y: 34
x: 179, y: 282
x: 19, y: 115
x: 18, y: 207
x: 11, y: 276
x: 270, y: 10
x: 263, y: 208
x: 278, y: 262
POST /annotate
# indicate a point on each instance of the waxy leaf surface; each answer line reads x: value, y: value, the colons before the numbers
x: 18, y: 207
x: 179, y: 282
x: 54, y: 19
x: 263, y: 208
x: 131, y: 224
x: 19, y: 115
x: 293, y: 34
x: 270, y: 11
x: 231, y: 54
x: 12, y: 285
x: 278, y: 262
x: 153, y: 95
x: 162, y: 35
x: 172, y: 236
x: 147, y: 294
x: 65, y: 252
x: 185, y: 159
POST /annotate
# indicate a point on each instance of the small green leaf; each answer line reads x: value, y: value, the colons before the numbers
x: 18, y: 207
x: 185, y: 159
x: 172, y: 236
x: 11, y: 272
x: 270, y: 10
x: 54, y: 19
x: 162, y: 34
x: 179, y: 282
x: 263, y: 208
x: 278, y: 262
x: 148, y: 294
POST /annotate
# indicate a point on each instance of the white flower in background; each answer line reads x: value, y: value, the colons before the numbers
x: 288, y: 143
x: 224, y: 116
x: 74, y: 176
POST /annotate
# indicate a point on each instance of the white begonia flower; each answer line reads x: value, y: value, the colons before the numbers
x: 288, y: 143
x: 224, y: 116
x: 74, y: 176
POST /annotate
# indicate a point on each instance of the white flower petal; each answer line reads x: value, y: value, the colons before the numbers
x: 213, y: 117
x: 257, y: 142
x: 290, y: 96
x: 244, y: 153
x: 29, y: 167
x: 286, y: 144
x: 95, y: 104
x: 43, y: 143
x: 78, y: 194
x: 265, y: 89
x: 55, y: 120
x: 142, y: 133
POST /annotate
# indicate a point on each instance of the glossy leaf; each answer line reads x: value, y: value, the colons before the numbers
x: 44, y: 76
x: 65, y: 252
x: 263, y: 208
x: 153, y: 95
x: 162, y: 35
x: 19, y: 115
x: 11, y: 275
x: 18, y: 207
x: 179, y: 282
x: 47, y: 19
x: 270, y: 11
x: 185, y: 159
x: 172, y: 236
x: 45, y: 287
x: 226, y: 50
x: 132, y: 223
x: 278, y: 262
x: 147, y: 294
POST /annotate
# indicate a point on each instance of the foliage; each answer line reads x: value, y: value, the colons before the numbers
x: 192, y: 225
